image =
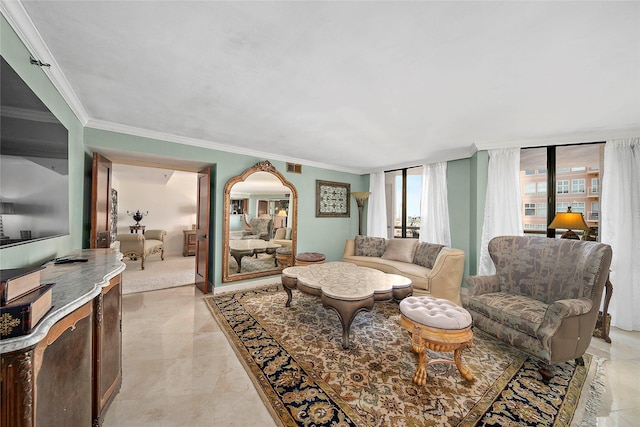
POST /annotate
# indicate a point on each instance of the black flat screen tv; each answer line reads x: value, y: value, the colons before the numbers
x: 34, y: 165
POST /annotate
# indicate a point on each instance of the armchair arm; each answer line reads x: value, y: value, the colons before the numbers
x: 349, y: 248
x: 558, y: 311
x: 479, y: 285
x: 445, y: 277
x: 155, y: 234
x: 131, y: 243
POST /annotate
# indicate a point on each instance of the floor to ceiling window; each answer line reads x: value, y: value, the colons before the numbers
x: 555, y: 178
x: 404, y: 188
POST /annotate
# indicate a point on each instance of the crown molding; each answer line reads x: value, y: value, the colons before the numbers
x: 22, y: 24
x: 573, y: 138
x: 146, y: 133
x: 440, y: 156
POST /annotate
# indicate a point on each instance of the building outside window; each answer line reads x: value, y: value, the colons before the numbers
x: 542, y: 187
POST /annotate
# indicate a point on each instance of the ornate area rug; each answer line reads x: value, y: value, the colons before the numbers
x: 296, y: 359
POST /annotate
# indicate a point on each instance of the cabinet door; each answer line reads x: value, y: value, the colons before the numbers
x: 62, y: 370
x: 107, y: 348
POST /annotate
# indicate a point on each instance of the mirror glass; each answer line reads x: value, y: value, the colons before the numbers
x: 260, y: 221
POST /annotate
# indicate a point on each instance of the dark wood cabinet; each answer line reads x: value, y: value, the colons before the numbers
x: 69, y: 370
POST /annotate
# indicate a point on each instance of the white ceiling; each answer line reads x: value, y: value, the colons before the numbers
x: 356, y: 86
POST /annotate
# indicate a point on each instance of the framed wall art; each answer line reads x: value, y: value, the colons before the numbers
x: 332, y: 199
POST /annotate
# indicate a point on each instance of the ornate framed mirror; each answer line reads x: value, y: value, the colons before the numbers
x: 260, y: 216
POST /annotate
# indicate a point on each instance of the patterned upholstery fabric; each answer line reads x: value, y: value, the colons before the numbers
x: 400, y: 250
x: 545, y: 295
x: 370, y: 246
x: 426, y: 254
x: 260, y: 229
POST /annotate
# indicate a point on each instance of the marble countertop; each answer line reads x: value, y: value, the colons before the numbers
x: 75, y: 285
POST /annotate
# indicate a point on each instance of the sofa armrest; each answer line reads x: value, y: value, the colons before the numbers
x: 446, y: 274
x: 558, y: 311
x: 479, y: 285
x: 155, y: 234
x: 349, y: 248
x: 131, y: 243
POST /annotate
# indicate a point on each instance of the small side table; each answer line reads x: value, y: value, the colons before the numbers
x: 189, y: 243
x: 135, y: 228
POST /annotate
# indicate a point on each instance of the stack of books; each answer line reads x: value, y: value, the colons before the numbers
x: 24, y: 301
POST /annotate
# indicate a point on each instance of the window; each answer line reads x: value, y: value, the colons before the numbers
x: 563, y: 186
x: 577, y: 186
x: 594, y: 213
x: 578, y: 207
x: 403, y: 204
x: 574, y: 171
x: 529, y: 209
x: 530, y: 189
x: 542, y: 210
x: 562, y: 207
x: 542, y: 187
x: 529, y: 227
x: 530, y: 172
x: 594, y: 189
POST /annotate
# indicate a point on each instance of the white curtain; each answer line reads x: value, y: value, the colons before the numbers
x: 377, y: 206
x: 434, y: 205
x: 503, y: 204
x: 620, y: 228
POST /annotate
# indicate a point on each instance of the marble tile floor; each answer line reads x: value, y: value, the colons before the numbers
x: 179, y: 369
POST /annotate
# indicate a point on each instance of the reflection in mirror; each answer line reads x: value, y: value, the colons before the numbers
x: 260, y: 222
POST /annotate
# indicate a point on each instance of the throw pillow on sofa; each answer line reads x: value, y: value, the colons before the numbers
x: 400, y: 250
x: 426, y: 254
x: 369, y: 246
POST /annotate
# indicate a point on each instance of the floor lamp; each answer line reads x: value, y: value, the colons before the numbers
x: 361, y: 197
x: 569, y: 220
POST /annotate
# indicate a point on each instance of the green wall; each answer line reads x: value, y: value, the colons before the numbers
x: 325, y: 235
x: 15, y: 53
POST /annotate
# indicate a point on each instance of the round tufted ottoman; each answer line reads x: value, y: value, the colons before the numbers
x: 283, y: 256
x: 439, y: 325
x: 308, y: 258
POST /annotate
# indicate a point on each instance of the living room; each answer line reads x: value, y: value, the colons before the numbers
x: 100, y: 121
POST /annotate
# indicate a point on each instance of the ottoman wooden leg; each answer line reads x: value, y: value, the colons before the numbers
x: 457, y: 353
x: 420, y: 376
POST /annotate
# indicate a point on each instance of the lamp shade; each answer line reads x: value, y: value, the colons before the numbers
x: 569, y: 221
x: 364, y: 195
x: 282, y: 213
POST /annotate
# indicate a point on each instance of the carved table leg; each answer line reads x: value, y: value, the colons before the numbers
x: 347, y: 311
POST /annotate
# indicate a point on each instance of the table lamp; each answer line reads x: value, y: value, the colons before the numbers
x: 569, y: 220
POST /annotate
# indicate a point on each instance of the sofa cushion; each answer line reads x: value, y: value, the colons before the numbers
x: 369, y: 246
x: 426, y: 254
x: 516, y: 311
x: 400, y: 250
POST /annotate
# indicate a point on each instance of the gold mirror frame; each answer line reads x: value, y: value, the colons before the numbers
x: 264, y: 166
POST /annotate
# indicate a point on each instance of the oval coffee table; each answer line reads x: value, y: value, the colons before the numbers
x: 345, y: 288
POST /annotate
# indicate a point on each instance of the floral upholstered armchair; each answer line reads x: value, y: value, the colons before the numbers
x: 136, y: 246
x: 260, y: 229
x: 544, y: 298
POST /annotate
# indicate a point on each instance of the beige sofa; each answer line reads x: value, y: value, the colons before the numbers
x: 435, y: 270
x: 544, y: 297
x: 282, y: 237
x: 136, y: 246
